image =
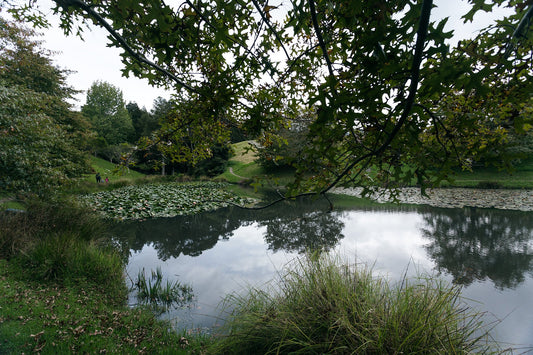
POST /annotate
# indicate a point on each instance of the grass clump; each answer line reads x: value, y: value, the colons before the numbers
x: 159, y: 296
x: 21, y: 231
x: 322, y: 306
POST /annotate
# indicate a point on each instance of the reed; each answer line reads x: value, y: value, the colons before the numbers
x: 160, y: 296
x: 322, y: 305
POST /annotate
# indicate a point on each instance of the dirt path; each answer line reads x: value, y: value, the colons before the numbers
x: 232, y: 173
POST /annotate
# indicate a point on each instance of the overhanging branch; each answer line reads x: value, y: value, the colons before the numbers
x: 320, y: 38
x: 139, y: 57
x: 413, y: 88
x: 524, y: 22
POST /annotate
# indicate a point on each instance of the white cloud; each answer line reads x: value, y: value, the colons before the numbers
x: 92, y: 60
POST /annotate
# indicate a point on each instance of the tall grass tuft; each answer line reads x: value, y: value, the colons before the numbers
x: 324, y: 306
x: 20, y: 231
x: 56, y: 240
x: 64, y: 257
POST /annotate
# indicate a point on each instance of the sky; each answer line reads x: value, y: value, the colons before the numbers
x: 91, y: 60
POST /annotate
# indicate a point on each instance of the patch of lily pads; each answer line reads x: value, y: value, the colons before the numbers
x: 161, y: 200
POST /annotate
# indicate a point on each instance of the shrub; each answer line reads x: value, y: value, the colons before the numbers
x: 322, y: 306
x: 20, y: 231
x: 67, y: 259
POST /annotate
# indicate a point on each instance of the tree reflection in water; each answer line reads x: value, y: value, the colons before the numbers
x: 295, y: 226
x: 478, y: 244
x: 310, y: 232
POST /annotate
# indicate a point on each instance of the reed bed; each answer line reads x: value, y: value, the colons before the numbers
x: 321, y: 305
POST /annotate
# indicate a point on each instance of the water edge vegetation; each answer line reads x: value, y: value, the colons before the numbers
x: 65, y: 292
x: 59, y: 269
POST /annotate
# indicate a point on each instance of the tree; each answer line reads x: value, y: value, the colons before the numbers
x: 105, y: 108
x: 143, y: 122
x: 40, y: 136
x: 374, y: 72
x: 286, y: 146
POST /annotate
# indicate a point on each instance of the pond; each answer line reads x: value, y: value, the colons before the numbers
x: 487, y: 251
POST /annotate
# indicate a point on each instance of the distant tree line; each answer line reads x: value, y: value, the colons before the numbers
x: 46, y: 143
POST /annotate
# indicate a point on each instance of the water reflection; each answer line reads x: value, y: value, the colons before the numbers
x: 308, y: 232
x: 220, y: 252
x: 182, y: 235
x: 290, y: 226
x: 477, y: 244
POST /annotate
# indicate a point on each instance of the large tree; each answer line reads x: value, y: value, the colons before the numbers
x: 143, y: 122
x: 106, y: 109
x: 40, y: 136
x: 374, y: 72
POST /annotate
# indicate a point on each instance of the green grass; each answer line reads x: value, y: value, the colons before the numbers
x: 321, y: 305
x: 110, y: 170
x: 63, y: 289
x: 51, y: 318
x: 242, y: 154
x: 520, y: 178
x: 9, y: 204
x: 243, y: 169
x: 244, y: 165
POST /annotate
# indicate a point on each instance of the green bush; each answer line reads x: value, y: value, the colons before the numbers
x: 322, y: 306
x: 64, y: 257
x: 60, y: 241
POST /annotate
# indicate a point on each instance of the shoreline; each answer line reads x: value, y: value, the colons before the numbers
x: 520, y: 200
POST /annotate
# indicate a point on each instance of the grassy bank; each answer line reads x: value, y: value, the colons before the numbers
x: 63, y: 288
x: 489, y: 177
x: 54, y: 318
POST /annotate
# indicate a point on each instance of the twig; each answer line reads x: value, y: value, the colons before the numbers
x: 141, y: 58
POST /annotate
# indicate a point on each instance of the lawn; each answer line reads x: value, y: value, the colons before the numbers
x: 521, y: 177
x: 110, y: 170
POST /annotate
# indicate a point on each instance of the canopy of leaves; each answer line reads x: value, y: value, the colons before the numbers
x: 143, y: 122
x: 39, y: 135
x: 379, y: 75
x: 106, y: 109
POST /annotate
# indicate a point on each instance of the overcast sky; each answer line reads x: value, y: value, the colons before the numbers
x: 92, y: 60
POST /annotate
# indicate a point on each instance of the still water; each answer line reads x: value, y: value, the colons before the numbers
x: 487, y: 251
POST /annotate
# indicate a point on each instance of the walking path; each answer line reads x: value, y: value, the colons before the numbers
x: 232, y: 173
x: 454, y: 197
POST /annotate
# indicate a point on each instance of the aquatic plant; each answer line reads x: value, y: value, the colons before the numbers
x: 161, y: 200
x: 160, y: 296
x: 322, y: 305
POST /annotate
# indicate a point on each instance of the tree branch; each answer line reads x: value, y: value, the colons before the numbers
x: 139, y: 57
x: 413, y: 88
x: 525, y: 21
x: 320, y: 38
x: 265, y: 19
